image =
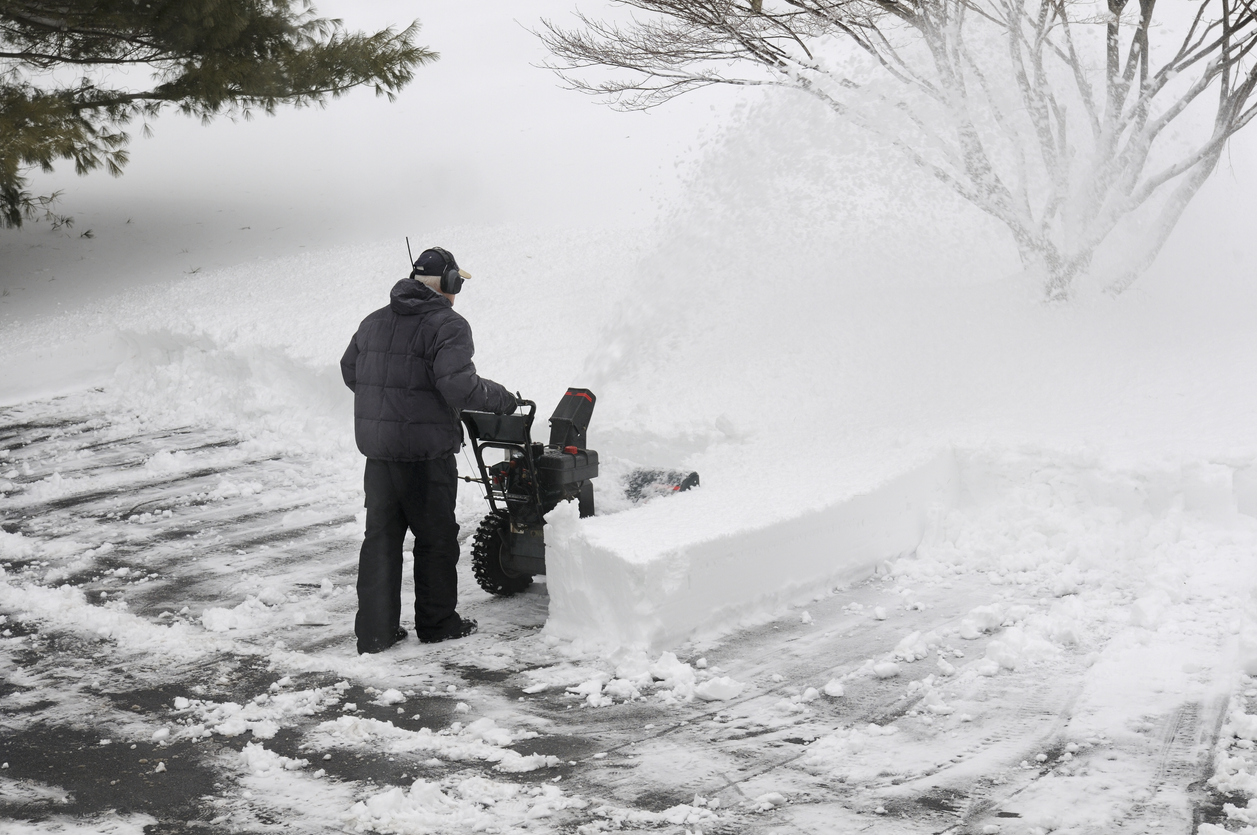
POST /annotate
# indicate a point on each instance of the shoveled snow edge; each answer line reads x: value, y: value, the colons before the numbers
x: 709, y: 587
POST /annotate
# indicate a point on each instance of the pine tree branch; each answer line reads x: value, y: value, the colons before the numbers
x: 209, y: 57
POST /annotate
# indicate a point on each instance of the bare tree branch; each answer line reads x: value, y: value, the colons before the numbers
x: 991, y: 122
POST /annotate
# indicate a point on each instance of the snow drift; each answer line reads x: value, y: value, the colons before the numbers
x: 606, y: 581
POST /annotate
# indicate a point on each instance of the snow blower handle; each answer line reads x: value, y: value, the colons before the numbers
x: 520, y: 403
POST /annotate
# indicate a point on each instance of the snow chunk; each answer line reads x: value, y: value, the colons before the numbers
x: 391, y: 696
x: 271, y: 596
x: 560, y: 675
x: 1235, y: 769
x: 719, y: 689
x: 592, y: 691
x: 836, y: 754
x: 263, y: 716
x: 14, y: 546
x: 490, y: 732
x: 915, y: 646
x: 1016, y: 648
x: 166, y: 461
x: 480, y: 741
x: 886, y: 669
x: 259, y: 761
x: 622, y: 689
x: 981, y: 620
x: 216, y: 619
x: 987, y: 667
x: 474, y: 805
x: 685, y: 814
x: 677, y: 679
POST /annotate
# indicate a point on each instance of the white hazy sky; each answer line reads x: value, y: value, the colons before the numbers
x: 481, y: 137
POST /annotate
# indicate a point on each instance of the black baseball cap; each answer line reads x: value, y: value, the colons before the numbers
x: 435, y: 261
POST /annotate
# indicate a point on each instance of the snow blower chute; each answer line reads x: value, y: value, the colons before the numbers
x: 509, y: 548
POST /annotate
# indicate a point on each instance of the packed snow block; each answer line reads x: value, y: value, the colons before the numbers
x: 605, y: 585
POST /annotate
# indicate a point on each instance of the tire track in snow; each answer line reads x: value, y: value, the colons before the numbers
x: 753, y: 742
x: 160, y: 525
x: 937, y: 779
x: 736, y: 750
x: 1176, y: 764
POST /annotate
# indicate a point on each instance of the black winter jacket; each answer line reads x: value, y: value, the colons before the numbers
x: 410, y: 369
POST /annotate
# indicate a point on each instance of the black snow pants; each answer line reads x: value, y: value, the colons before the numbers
x: 418, y: 495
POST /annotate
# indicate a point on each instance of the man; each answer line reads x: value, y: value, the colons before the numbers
x: 410, y: 369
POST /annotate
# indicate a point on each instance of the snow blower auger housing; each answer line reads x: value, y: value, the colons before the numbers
x: 509, y: 548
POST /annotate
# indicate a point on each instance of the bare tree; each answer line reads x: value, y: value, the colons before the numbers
x: 1053, y: 117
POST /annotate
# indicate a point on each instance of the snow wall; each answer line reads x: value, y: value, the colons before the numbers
x: 600, y: 589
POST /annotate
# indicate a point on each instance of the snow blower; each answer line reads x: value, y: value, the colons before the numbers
x: 509, y: 547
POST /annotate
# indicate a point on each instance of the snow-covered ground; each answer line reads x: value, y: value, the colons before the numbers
x: 1060, y: 654
x: 1063, y: 642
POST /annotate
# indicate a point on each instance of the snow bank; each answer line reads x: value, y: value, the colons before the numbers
x: 472, y: 805
x: 607, y: 584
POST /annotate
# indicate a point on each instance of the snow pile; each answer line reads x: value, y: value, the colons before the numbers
x: 471, y: 805
x: 650, y: 579
x: 1053, y: 521
x: 1079, y: 550
x: 111, y: 823
x: 67, y: 607
x: 263, y: 716
x: 855, y: 754
x: 252, y: 613
x: 390, y: 696
x: 719, y: 689
x: 480, y: 741
x: 1057, y: 525
x: 270, y: 607
x: 633, y: 675
x: 692, y: 816
x: 1235, y: 762
x: 259, y: 762
x: 14, y: 546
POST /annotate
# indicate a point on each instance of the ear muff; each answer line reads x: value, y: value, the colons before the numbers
x: 451, y: 276
x: 452, y: 281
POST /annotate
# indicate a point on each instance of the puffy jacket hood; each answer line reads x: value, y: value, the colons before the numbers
x: 410, y: 298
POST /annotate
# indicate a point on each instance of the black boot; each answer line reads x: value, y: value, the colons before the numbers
x: 463, y: 628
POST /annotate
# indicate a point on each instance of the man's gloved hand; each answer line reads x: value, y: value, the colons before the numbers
x: 512, y: 402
